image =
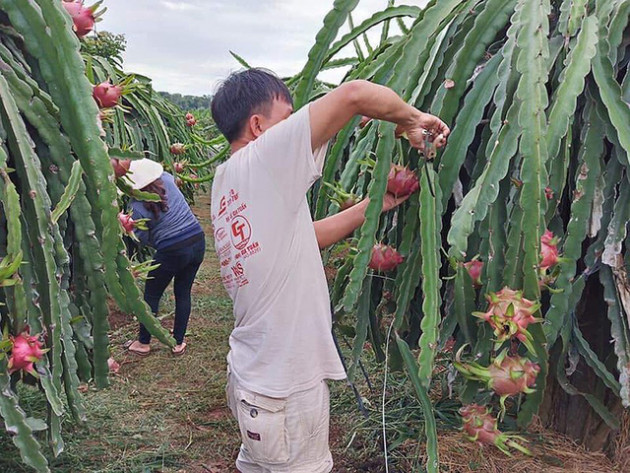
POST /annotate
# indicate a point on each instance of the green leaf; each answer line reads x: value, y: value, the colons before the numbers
x: 431, y: 244
x: 69, y: 193
x: 318, y: 53
x: 240, y: 60
x: 377, y: 18
x: 430, y: 428
x: 16, y: 423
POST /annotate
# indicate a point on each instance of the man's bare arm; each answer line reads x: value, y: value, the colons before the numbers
x: 332, y: 112
x: 335, y: 228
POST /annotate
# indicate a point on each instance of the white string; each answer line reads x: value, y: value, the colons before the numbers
x: 389, y: 332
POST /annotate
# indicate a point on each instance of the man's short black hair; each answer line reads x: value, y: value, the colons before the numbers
x: 243, y: 94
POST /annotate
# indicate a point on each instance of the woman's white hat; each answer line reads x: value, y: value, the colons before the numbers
x: 143, y: 172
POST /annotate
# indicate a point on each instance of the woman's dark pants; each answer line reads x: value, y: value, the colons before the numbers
x: 180, y: 262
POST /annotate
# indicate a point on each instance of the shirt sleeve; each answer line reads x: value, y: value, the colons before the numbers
x: 284, y: 151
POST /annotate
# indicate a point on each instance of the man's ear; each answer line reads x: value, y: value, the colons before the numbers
x: 255, y: 125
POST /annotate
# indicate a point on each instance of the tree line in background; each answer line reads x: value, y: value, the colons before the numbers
x: 188, y: 102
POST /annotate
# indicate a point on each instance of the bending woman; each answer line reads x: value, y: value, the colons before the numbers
x: 177, y: 236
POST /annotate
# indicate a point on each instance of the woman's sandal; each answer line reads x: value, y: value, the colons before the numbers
x: 128, y: 346
x: 179, y: 350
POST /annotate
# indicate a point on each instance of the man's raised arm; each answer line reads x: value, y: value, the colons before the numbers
x: 329, y: 114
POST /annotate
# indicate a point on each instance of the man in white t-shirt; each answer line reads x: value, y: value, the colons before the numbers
x: 281, y: 349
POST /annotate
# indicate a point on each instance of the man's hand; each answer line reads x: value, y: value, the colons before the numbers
x: 424, y: 127
x: 390, y: 201
x: 333, y: 111
x: 335, y: 228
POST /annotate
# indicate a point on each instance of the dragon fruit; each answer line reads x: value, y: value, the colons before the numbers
x: 121, y: 166
x: 506, y: 376
x: 479, y: 425
x: 178, y: 149
x: 401, y: 181
x: 548, y: 193
x: 82, y: 17
x: 384, y: 258
x: 343, y: 199
x: 127, y: 223
x: 26, y: 350
x: 349, y: 202
x: 509, y: 315
x: 548, y: 250
x: 194, y: 176
x: 107, y: 94
x: 179, y: 167
x: 474, y: 268
x: 190, y: 119
x: 113, y: 365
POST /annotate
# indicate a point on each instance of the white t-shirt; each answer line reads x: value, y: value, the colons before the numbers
x: 270, y: 262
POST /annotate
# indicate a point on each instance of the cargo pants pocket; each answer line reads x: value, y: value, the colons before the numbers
x: 262, y: 422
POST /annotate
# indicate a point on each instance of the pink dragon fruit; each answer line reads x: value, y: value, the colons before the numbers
x: 25, y: 351
x: 506, y: 376
x: 121, y: 166
x: 127, y: 223
x: 548, y: 193
x: 178, y: 149
x: 107, y: 94
x: 343, y: 199
x: 82, y: 17
x: 113, y: 365
x: 548, y: 250
x: 511, y: 375
x: 480, y: 426
x: 509, y: 315
x: 190, y: 119
x: 179, y: 167
x: 194, y: 176
x: 474, y: 268
x: 401, y: 181
x: 384, y: 258
x: 349, y: 202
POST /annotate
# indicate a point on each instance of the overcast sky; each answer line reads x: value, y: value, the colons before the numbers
x: 184, y: 45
